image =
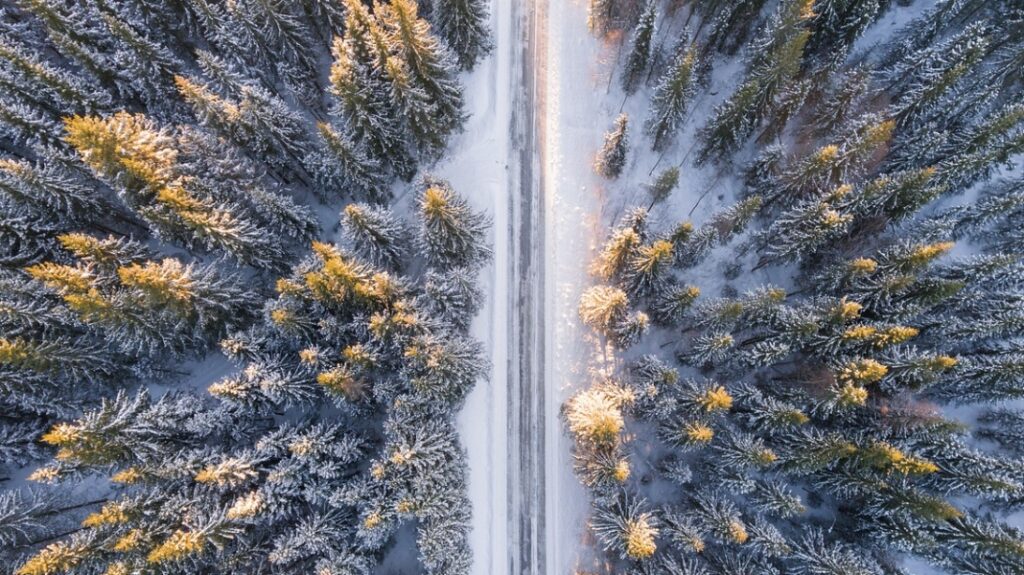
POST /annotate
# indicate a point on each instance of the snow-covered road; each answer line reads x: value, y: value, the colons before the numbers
x: 573, y: 112
x: 525, y: 157
x: 479, y: 167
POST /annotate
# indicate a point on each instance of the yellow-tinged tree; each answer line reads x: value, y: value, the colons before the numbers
x: 179, y: 545
x: 595, y: 417
x: 168, y: 282
x: 55, y: 559
x: 128, y: 150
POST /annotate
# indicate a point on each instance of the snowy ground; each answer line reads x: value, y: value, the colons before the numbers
x: 484, y: 167
x: 575, y: 99
x: 478, y: 168
x: 574, y: 77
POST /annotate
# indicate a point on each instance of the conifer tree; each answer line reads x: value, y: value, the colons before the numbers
x: 344, y: 168
x: 625, y: 528
x: 925, y: 76
x: 611, y: 159
x: 646, y: 272
x: 841, y: 101
x: 674, y: 92
x: 462, y: 24
x: 361, y: 90
x: 776, y: 62
x: 663, y: 186
x: 618, y: 250
x: 731, y: 23
x: 62, y: 89
x: 430, y: 68
x: 453, y: 295
x: 806, y: 228
x: 838, y: 23
x: 51, y: 189
x: 670, y: 306
x: 375, y: 234
x: 640, y: 49
x: 451, y: 234
x: 141, y: 162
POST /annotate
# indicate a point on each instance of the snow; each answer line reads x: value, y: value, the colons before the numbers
x: 477, y: 167
x: 579, y: 98
x: 574, y: 119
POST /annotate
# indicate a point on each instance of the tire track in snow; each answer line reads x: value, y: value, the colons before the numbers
x: 526, y: 385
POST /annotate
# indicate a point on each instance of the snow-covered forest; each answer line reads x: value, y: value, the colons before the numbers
x: 806, y: 310
x: 226, y: 346
x: 538, y: 287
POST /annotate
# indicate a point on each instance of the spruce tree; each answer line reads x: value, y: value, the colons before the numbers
x: 838, y: 23
x: 611, y: 159
x: 450, y: 233
x: 640, y: 49
x: 925, y: 76
x: 358, y: 83
x: 375, y: 234
x: 674, y: 92
x: 462, y: 24
x: 342, y: 167
x: 663, y: 186
x: 625, y: 528
x: 430, y: 68
x: 775, y: 64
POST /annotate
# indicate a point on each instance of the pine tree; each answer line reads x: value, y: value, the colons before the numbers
x: 674, y: 92
x: 984, y: 378
x: 258, y: 121
x: 838, y: 23
x: 142, y: 163
x: 64, y: 91
x: 663, y: 186
x: 361, y: 91
x: 342, y: 167
x: 50, y: 189
x: 898, y: 196
x: 24, y: 123
x: 78, y: 359
x: 925, y: 76
x: 670, y: 306
x: 776, y: 62
x: 625, y: 528
x: 814, y: 555
x: 710, y: 349
x: 143, y: 65
x: 444, y: 370
x: 731, y: 22
x: 451, y: 234
x: 730, y: 125
x: 454, y: 296
x: 375, y: 234
x: 430, y: 68
x: 842, y: 100
x: 606, y: 310
x: 640, y: 50
x: 603, y: 308
x: 612, y: 157
x: 805, y: 229
x: 462, y: 24
x: 647, y: 270
x: 620, y: 248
